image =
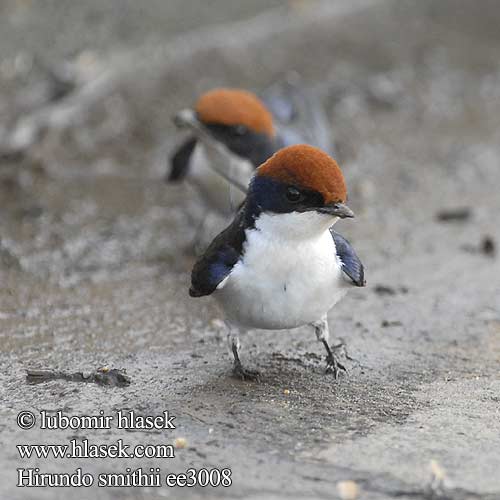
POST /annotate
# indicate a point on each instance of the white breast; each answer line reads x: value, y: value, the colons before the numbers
x: 289, y: 275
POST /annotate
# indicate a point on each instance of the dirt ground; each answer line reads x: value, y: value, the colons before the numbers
x: 95, y: 260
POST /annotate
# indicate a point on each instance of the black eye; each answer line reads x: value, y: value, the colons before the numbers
x: 293, y: 195
x: 240, y: 130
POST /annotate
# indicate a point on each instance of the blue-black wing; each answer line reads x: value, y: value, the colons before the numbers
x: 219, y: 259
x: 179, y: 162
x: 351, y: 265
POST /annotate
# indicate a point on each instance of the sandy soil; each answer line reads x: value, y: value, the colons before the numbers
x: 94, y: 266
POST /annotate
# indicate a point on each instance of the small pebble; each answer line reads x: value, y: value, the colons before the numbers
x: 348, y: 490
x: 488, y: 246
x: 437, y: 471
x: 217, y: 323
x: 286, y: 392
x: 180, y: 443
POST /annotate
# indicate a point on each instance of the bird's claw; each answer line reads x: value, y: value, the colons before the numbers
x: 244, y: 374
x: 333, y: 365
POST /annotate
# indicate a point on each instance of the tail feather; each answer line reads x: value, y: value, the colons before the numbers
x: 179, y: 161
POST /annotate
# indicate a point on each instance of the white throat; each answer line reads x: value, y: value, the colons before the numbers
x: 294, y: 225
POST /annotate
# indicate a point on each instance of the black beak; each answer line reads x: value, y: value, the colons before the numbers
x: 337, y: 210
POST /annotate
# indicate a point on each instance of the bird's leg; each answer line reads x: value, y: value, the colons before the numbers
x: 238, y: 370
x: 333, y: 365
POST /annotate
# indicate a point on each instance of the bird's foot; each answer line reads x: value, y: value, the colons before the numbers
x: 244, y: 374
x: 333, y: 365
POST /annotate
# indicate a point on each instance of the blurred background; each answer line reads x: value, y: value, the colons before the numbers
x: 94, y: 245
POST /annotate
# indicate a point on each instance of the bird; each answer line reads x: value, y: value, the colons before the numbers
x: 250, y: 130
x: 238, y: 120
x: 280, y: 264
